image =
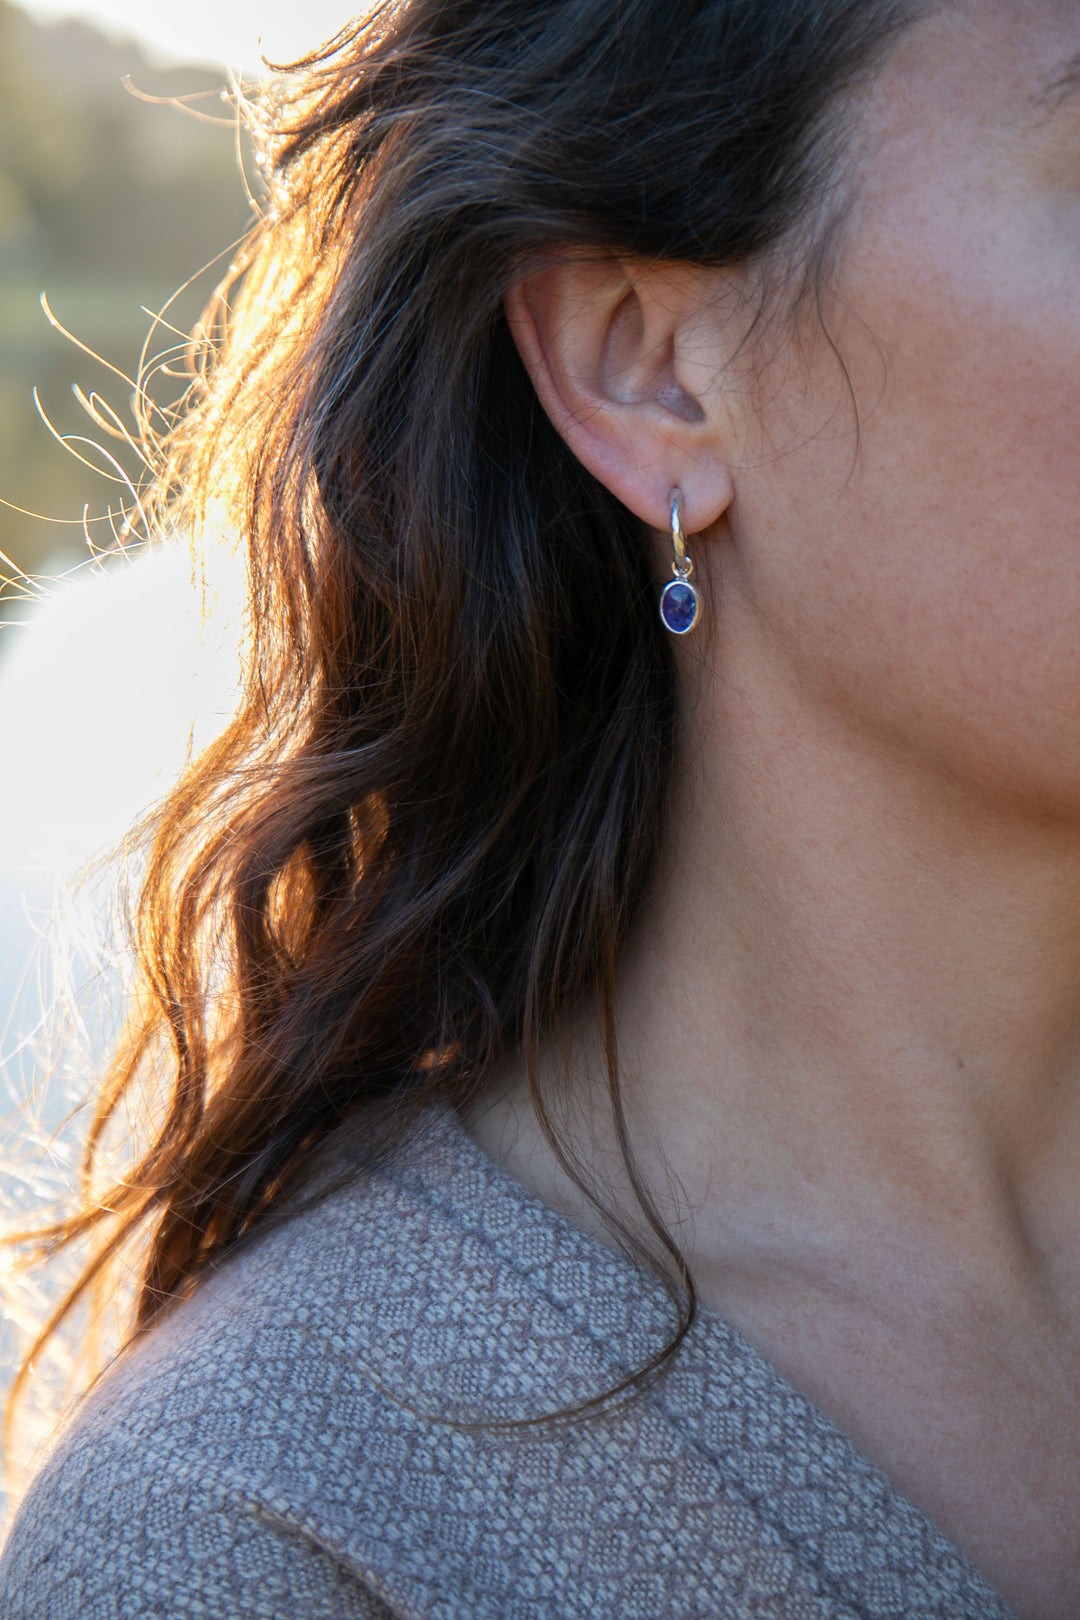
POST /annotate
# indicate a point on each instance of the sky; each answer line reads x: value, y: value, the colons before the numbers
x: 235, y: 32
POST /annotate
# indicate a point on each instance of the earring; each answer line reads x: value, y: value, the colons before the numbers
x: 680, y: 603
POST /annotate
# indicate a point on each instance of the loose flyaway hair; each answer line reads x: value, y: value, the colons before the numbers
x: 426, y: 833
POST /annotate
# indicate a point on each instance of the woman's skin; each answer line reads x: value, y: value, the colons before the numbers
x: 849, y: 1020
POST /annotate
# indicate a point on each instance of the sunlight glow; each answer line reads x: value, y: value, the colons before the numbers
x: 237, y: 33
x: 119, y: 674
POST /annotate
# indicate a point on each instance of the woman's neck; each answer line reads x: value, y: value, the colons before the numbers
x: 849, y: 1043
x: 851, y: 1003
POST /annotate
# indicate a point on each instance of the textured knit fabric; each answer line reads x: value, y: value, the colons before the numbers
x: 299, y: 1441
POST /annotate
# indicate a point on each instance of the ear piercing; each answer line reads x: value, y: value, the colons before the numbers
x: 680, y: 603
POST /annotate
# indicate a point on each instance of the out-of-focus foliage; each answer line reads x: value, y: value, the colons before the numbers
x: 107, y: 204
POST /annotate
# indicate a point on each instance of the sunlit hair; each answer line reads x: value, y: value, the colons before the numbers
x: 424, y: 838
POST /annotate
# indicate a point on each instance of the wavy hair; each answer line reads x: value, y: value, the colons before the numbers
x: 426, y: 833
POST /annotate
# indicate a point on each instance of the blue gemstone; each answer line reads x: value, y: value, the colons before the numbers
x: 679, y: 606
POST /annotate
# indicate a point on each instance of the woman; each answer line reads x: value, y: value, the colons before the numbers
x: 622, y: 1148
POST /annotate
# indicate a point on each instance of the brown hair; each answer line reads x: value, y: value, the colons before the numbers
x: 426, y: 833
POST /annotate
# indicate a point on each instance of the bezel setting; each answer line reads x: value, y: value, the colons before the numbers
x: 676, y: 598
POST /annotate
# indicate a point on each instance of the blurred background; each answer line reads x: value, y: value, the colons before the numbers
x: 109, y: 202
x: 122, y: 193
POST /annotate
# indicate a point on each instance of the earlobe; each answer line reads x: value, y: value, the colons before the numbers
x: 602, y: 339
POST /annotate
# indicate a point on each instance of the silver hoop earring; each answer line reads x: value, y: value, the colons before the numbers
x: 680, y: 604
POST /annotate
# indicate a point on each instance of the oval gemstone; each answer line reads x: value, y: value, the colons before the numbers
x: 679, y: 606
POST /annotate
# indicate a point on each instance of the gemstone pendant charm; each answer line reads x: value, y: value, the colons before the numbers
x: 680, y: 603
x: 679, y: 606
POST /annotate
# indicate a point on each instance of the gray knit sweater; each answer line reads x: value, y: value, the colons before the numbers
x: 298, y: 1442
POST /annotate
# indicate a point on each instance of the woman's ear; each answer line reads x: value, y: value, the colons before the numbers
x: 625, y: 358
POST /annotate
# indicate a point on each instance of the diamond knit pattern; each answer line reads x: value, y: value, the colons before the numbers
x: 326, y: 1429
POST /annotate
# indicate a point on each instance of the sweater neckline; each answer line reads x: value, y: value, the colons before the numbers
x: 722, y: 1394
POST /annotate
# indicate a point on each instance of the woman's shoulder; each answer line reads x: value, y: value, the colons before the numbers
x: 350, y: 1412
x: 197, y: 1475
x: 303, y: 1424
